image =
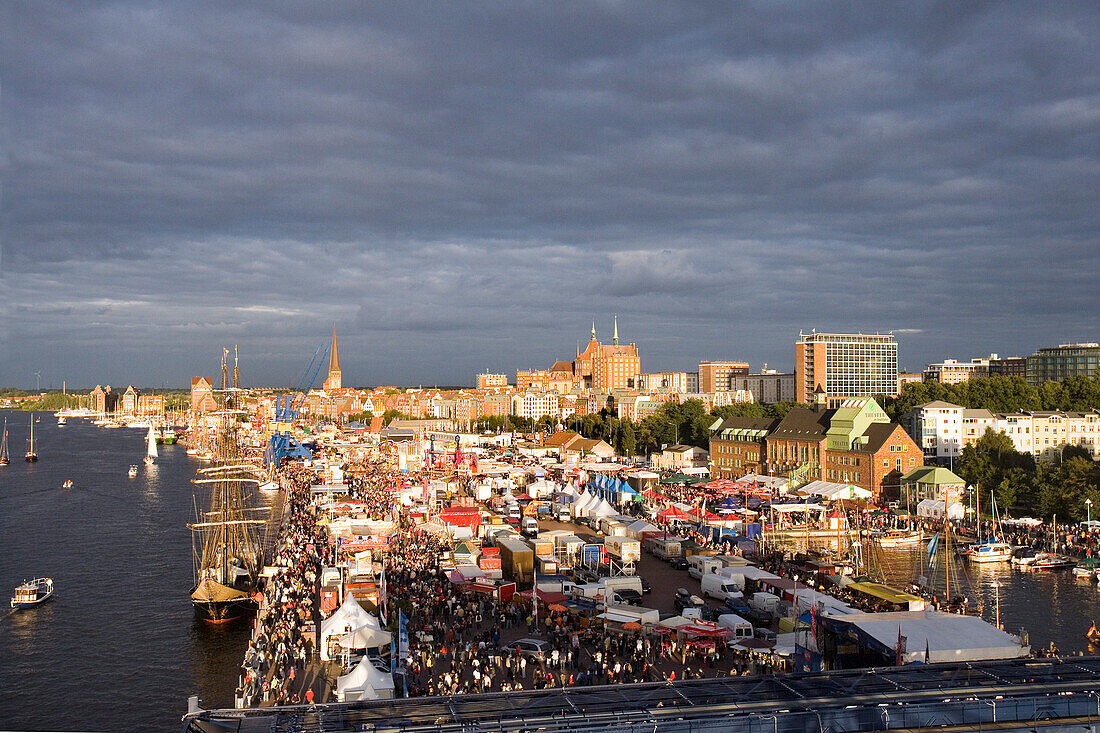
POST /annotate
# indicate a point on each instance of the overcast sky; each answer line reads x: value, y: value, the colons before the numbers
x: 463, y: 187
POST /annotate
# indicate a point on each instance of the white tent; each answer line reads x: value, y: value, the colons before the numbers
x: 635, y: 530
x: 933, y: 508
x: 788, y: 508
x: 346, y: 622
x: 581, y: 508
x: 603, y: 509
x: 540, y: 488
x: 833, y: 491
x: 365, y: 682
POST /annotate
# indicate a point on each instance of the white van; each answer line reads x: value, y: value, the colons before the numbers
x: 529, y: 526
x: 741, y: 628
x: 720, y: 588
x: 765, y: 602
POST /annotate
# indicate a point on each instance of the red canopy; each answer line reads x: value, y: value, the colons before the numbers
x: 671, y: 513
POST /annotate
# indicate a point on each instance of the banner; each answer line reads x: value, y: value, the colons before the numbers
x: 402, y: 638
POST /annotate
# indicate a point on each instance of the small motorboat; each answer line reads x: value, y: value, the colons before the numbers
x: 898, y: 538
x: 133, y: 471
x: 32, y: 593
x: 1087, y: 569
x: 68, y: 484
x: 1052, y: 561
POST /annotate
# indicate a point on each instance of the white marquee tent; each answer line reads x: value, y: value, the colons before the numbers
x: 351, y: 623
x: 365, y: 682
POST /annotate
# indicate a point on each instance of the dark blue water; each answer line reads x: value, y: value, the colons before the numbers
x: 118, y: 648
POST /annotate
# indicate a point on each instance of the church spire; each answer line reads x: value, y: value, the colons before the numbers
x: 615, y: 337
x: 593, y: 330
x: 334, y: 377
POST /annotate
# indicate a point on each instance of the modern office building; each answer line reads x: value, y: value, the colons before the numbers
x: 845, y: 365
x: 953, y: 371
x: 1055, y: 363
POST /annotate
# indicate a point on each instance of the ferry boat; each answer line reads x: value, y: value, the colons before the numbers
x: 132, y: 472
x: 32, y: 593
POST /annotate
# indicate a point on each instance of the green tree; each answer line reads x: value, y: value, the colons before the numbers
x: 993, y: 463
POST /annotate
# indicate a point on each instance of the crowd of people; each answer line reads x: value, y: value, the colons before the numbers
x: 280, y: 648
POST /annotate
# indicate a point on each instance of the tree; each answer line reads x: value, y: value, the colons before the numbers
x: 627, y: 439
x: 993, y: 463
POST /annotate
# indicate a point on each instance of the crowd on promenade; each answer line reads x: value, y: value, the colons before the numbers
x: 280, y: 648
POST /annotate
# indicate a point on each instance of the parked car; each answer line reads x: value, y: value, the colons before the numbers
x: 627, y: 595
x: 679, y: 563
x: 645, y: 586
x: 533, y: 648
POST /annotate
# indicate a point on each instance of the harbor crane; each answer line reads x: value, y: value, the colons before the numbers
x: 282, y: 445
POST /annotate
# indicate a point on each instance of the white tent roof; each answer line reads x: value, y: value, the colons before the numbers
x: 949, y: 637
x: 642, y: 526
x: 788, y: 508
x: 831, y: 490
x: 603, y: 509
x: 350, y: 622
x: 676, y: 622
x: 365, y: 637
x: 645, y: 475
x: 772, y: 482
x: 367, y: 680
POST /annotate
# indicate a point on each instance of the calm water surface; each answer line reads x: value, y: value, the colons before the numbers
x: 118, y: 648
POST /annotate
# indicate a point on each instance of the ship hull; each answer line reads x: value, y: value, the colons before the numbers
x: 220, y: 612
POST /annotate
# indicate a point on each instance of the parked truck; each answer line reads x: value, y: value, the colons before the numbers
x: 517, y: 560
x: 626, y: 549
x: 700, y: 565
x: 664, y: 548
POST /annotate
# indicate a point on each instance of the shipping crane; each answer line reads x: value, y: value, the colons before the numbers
x: 282, y: 445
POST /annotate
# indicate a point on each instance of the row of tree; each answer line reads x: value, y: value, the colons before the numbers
x: 999, y: 394
x: 1058, y: 489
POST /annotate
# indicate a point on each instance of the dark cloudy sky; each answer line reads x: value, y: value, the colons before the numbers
x: 466, y: 186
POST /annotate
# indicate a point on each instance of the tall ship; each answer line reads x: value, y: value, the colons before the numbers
x: 226, y: 545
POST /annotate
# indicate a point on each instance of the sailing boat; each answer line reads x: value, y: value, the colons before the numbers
x: 227, y: 568
x: 4, y: 446
x: 31, y: 456
x: 151, y: 451
x: 992, y: 550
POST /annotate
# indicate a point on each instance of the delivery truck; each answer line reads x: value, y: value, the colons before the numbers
x: 517, y: 560
x: 626, y: 549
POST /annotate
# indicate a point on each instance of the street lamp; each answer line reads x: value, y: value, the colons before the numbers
x: 997, y: 600
x: 1088, y: 512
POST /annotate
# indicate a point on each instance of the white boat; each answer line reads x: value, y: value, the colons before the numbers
x: 32, y: 592
x: 31, y: 456
x: 61, y: 420
x: 988, y: 552
x: 68, y: 484
x: 133, y: 471
x: 151, y: 447
x: 898, y: 538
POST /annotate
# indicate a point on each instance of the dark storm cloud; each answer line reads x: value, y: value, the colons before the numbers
x: 466, y: 186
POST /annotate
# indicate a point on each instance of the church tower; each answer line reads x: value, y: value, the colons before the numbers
x: 333, y: 379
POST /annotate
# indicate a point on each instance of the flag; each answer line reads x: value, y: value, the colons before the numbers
x: 933, y: 545
x: 382, y: 594
x: 926, y: 654
x: 900, y: 649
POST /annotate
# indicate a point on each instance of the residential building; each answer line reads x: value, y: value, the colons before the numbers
x: 202, y: 395
x: 845, y: 365
x: 1011, y: 366
x: 679, y: 457
x: 129, y: 401
x: 737, y: 446
x: 952, y: 371
x: 767, y: 386
x: 485, y: 381
x: 533, y: 404
x: 796, y: 447
x: 693, y: 381
x: 715, y: 376
x: 1055, y: 363
x: 99, y: 400
x: 1053, y: 431
x: 905, y: 378
x: 937, y: 427
x: 1017, y: 426
x: 975, y: 423
x: 664, y: 382
x: 333, y: 380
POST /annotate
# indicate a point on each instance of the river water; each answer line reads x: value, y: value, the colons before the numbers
x: 118, y: 648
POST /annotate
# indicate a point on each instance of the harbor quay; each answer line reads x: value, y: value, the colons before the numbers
x: 384, y: 584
